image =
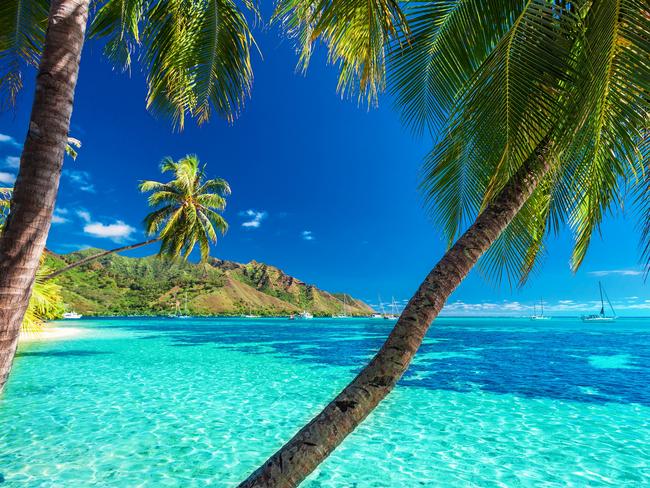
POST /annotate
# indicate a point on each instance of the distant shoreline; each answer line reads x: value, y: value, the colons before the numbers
x: 239, y: 316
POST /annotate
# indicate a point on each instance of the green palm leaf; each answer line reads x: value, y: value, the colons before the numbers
x: 22, y: 32
x: 5, y: 200
x: 573, y: 76
x: 448, y: 41
x: 357, y: 35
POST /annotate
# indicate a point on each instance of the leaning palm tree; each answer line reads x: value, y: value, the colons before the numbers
x: 542, y: 110
x: 186, y: 213
x: 196, y: 55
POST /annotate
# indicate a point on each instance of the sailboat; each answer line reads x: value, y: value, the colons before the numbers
x: 344, y: 314
x: 541, y: 315
x: 177, y: 313
x: 601, y: 317
x: 392, y: 315
x: 250, y: 314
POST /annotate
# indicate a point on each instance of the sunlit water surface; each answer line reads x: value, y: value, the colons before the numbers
x: 488, y: 402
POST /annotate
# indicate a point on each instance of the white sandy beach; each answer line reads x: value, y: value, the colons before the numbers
x: 52, y: 334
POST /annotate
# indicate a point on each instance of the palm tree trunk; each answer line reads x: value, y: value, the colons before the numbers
x: 23, y: 240
x: 314, y: 442
x: 97, y: 256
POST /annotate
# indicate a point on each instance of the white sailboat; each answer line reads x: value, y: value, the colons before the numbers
x: 601, y: 317
x: 344, y: 313
x: 541, y: 315
x: 393, y: 310
x: 250, y: 314
x: 177, y: 312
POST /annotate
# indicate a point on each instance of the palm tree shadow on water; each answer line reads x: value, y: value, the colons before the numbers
x: 556, y: 363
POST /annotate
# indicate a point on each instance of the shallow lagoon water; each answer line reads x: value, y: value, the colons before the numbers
x: 487, y: 402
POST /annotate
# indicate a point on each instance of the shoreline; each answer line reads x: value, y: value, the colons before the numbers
x: 51, y: 334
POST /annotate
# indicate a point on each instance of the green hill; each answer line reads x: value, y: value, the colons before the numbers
x: 117, y: 285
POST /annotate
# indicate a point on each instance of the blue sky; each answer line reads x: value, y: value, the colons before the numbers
x: 322, y: 188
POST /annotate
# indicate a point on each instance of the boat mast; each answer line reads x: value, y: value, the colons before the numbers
x: 602, y: 304
x: 541, y: 302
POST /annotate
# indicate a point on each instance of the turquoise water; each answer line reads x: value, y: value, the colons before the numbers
x: 489, y: 402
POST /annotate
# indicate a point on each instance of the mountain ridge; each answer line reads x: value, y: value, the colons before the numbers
x: 120, y: 285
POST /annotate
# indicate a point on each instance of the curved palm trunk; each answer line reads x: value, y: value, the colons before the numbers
x: 23, y: 240
x: 314, y: 442
x: 97, y: 256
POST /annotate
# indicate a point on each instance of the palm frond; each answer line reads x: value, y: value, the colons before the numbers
x: 197, y: 55
x: 643, y: 201
x: 615, y: 83
x: 45, y: 302
x: 357, y: 34
x: 223, y: 74
x: 118, y: 22
x: 168, y: 43
x: 216, y: 185
x: 22, y: 32
x: 448, y: 41
x: 5, y: 202
x: 506, y: 109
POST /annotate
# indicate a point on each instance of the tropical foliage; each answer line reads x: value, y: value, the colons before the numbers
x: 45, y: 303
x: 195, y: 53
x: 357, y: 35
x: 120, y: 285
x: 187, y: 208
x: 5, y: 197
x: 497, y: 79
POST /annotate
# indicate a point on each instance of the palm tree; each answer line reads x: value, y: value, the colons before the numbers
x: 186, y: 213
x: 543, y: 113
x: 196, y: 54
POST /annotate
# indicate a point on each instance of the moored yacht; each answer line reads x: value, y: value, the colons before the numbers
x: 541, y: 315
x: 600, y: 316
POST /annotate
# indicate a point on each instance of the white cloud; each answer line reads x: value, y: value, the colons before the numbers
x: 59, y: 216
x: 8, y: 178
x: 307, y: 235
x: 118, y: 231
x: 81, y: 179
x: 619, y: 272
x: 12, y: 162
x: 84, y: 215
x: 254, y: 218
x: 6, y: 139
x: 518, y: 309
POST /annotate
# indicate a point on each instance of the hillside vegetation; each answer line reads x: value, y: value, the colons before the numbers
x: 117, y: 285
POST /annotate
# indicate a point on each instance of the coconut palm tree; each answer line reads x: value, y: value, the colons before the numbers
x: 186, y: 213
x: 196, y: 55
x: 542, y: 110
